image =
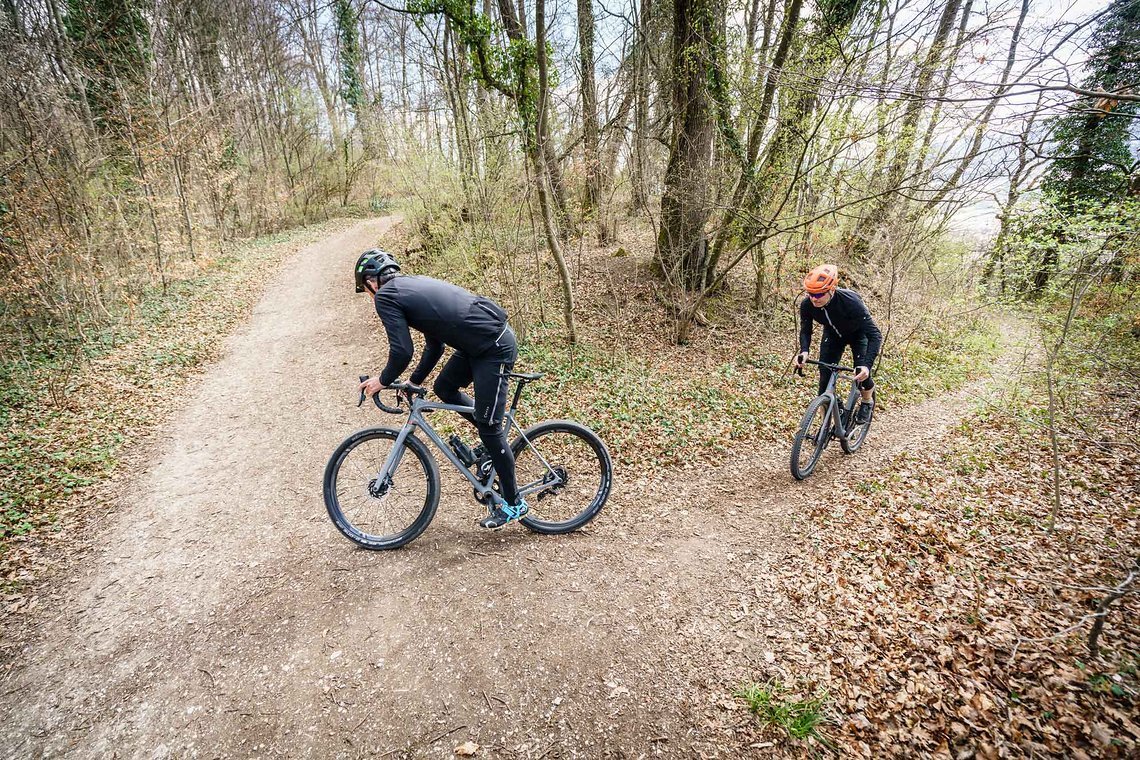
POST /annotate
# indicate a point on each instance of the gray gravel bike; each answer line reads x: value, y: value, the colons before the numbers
x: 381, y: 485
x: 825, y: 419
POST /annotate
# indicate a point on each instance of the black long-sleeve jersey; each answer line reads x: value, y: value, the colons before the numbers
x: 444, y: 313
x: 846, y: 317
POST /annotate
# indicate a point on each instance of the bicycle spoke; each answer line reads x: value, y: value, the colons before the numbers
x: 371, y: 508
x: 562, y: 475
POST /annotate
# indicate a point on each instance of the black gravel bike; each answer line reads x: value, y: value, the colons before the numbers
x: 826, y: 419
x: 381, y: 485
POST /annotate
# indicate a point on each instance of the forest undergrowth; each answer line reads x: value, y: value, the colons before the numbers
x: 658, y: 403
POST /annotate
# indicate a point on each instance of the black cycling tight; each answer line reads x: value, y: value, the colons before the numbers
x: 494, y: 439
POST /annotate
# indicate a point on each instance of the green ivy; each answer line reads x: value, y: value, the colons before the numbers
x: 511, y: 70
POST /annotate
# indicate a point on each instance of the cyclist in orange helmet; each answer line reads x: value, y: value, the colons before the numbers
x: 846, y: 322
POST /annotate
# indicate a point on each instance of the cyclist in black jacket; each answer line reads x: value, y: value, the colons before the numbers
x: 846, y: 322
x: 484, y: 346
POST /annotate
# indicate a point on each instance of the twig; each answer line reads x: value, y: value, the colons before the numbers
x: 1102, y: 608
x: 446, y: 733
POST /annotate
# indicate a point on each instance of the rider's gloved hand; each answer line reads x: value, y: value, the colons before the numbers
x: 861, y: 374
x: 801, y: 358
x: 371, y: 386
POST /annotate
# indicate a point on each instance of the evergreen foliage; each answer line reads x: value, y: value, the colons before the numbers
x: 1095, y: 157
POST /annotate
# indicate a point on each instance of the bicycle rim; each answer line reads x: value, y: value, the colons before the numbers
x: 380, y: 515
x: 565, y: 474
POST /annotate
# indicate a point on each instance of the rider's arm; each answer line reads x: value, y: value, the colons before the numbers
x: 868, y: 327
x: 805, y: 326
x: 874, y: 341
x: 400, y: 344
x: 433, y: 349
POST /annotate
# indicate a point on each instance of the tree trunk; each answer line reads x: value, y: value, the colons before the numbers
x: 515, y: 26
x: 756, y: 133
x: 682, y: 246
x: 984, y: 120
x: 589, y: 105
x: 543, y: 173
x: 640, y: 163
x: 859, y: 243
x: 775, y: 180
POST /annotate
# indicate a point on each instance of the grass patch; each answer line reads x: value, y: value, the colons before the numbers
x: 937, y: 361
x: 701, y: 408
x: 645, y: 414
x: 774, y: 704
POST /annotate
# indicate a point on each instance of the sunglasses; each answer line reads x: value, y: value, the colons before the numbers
x: 818, y: 296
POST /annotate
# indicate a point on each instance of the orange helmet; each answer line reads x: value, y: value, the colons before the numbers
x: 822, y: 279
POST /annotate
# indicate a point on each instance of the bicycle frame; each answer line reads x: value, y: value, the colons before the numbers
x: 416, y: 420
x: 835, y: 411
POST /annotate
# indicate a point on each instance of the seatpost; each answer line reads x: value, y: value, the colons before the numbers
x: 518, y: 393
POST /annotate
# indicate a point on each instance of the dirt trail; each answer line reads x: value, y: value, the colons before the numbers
x: 224, y: 616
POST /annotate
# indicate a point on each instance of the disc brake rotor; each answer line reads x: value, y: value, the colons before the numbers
x: 377, y: 489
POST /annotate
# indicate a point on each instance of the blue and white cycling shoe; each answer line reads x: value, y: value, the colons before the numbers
x: 503, y: 513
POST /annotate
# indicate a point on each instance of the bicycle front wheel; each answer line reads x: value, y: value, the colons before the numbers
x: 852, y: 443
x: 811, y: 438
x: 564, y: 472
x: 375, y: 514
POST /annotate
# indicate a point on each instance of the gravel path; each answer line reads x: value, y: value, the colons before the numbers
x: 224, y: 616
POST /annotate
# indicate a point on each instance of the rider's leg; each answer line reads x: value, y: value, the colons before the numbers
x: 491, y: 386
x: 494, y: 439
x: 866, y: 387
x: 830, y: 352
x: 459, y: 372
x: 858, y: 353
x: 456, y: 374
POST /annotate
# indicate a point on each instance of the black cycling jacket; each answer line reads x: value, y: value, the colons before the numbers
x: 845, y: 317
x: 444, y: 313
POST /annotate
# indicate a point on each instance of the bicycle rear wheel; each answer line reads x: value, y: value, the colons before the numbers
x: 564, y: 472
x: 380, y: 515
x: 812, y: 437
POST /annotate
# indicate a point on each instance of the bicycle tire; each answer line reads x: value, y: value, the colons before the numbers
x: 574, y: 441
x: 852, y: 443
x: 823, y: 433
x: 348, y: 525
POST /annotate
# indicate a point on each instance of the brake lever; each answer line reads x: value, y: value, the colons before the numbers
x: 375, y: 396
